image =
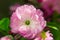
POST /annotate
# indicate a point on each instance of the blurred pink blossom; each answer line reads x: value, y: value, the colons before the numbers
x: 6, y: 38
x: 54, y: 3
x: 14, y: 7
x: 27, y: 21
x: 44, y: 36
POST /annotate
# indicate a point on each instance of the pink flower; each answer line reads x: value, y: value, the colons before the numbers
x: 55, y: 4
x: 44, y: 36
x: 27, y: 21
x: 48, y: 36
x: 6, y: 38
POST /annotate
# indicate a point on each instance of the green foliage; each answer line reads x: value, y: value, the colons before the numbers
x: 55, y: 16
x: 23, y: 38
x: 55, y: 29
x: 54, y: 26
x: 4, y: 26
x: 10, y: 36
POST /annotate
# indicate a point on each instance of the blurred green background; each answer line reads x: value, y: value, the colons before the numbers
x: 5, y: 4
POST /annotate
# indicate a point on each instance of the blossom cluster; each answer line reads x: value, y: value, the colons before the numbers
x: 30, y: 22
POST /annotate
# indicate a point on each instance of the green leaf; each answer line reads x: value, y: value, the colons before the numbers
x: 55, y: 29
x: 23, y: 38
x: 55, y: 16
x: 4, y: 25
x: 54, y: 26
x: 11, y: 37
x: 51, y: 25
x: 56, y: 34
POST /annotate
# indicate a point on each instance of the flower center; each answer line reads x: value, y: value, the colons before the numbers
x: 43, y: 35
x: 27, y: 22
